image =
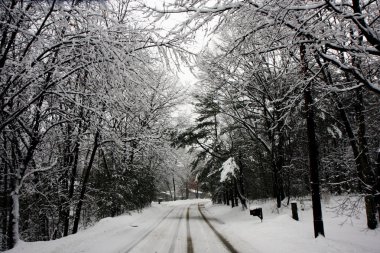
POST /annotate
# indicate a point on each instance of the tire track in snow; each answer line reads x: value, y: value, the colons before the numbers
x: 189, y: 241
x: 151, y: 229
x: 172, y: 247
x: 226, y: 243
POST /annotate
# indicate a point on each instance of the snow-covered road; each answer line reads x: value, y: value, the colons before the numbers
x: 183, y: 229
x: 198, y: 226
x: 167, y: 235
x: 179, y: 228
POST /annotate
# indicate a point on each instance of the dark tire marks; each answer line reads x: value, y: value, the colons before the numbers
x: 189, y: 241
x: 148, y: 232
x: 226, y: 243
x: 172, y: 247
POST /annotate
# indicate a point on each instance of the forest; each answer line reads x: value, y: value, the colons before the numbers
x: 289, y: 91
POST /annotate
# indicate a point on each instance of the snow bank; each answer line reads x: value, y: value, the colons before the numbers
x: 108, y: 235
x: 280, y: 233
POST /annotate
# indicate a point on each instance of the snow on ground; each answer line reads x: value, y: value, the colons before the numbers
x: 107, y: 234
x: 280, y: 233
x: 277, y: 233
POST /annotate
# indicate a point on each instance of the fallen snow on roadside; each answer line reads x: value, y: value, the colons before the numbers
x: 280, y: 233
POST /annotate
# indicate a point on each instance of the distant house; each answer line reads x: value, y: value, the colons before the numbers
x: 194, y: 194
x: 165, y: 196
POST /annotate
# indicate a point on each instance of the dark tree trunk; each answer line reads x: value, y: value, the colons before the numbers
x: 236, y: 194
x: 232, y: 197
x: 227, y: 196
x: 187, y: 190
x: 313, y: 150
x: 67, y: 163
x: 5, y: 205
x: 366, y: 175
x: 313, y: 164
x: 10, y: 241
x: 73, y: 175
x: 276, y: 187
x: 240, y: 184
x: 74, y: 164
x: 358, y: 144
x: 370, y: 206
x: 174, y: 197
x: 84, y: 183
x: 377, y: 198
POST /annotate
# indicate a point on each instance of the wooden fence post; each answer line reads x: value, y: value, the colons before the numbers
x: 294, y: 210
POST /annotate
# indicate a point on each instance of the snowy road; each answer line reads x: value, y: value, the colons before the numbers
x: 182, y: 229
x: 181, y: 226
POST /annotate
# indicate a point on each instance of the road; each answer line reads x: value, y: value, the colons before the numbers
x: 176, y: 227
x: 182, y: 229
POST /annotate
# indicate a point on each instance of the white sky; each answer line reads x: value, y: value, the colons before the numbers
x: 201, y: 39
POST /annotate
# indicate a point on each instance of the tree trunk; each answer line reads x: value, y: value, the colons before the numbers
x: 174, y: 197
x: 365, y: 174
x: 313, y: 164
x: 73, y: 175
x: 236, y: 193
x: 227, y: 196
x: 377, y: 198
x: 358, y: 145
x: 276, y: 190
x: 187, y: 190
x: 240, y: 185
x: 19, y: 171
x: 15, y: 216
x: 84, y: 183
x: 170, y: 190
x: 370, y: 206
x: 240, y: 195
x: 5, y: 197
x: 232, y: 197
x: 313, y: 150
x: 67, y: 163
x: 13, y: 228
x: 10, y: 242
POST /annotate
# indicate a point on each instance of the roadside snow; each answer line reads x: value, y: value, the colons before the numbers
x: 108, y: 235
x: 280, y: 233
x: 105, y: 236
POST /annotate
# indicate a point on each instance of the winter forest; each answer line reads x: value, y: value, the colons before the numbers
x: 286, y: 105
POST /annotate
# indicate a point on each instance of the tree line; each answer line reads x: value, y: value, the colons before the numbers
x: 85, y: 115
x: 290, y: 90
